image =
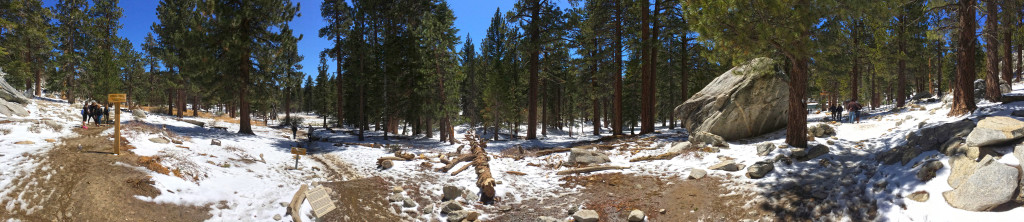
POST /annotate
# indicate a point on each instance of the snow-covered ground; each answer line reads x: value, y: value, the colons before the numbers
x: 248, y: 177
x: 24, y: 142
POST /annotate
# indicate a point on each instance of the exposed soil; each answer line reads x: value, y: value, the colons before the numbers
x: 361, y: 200
x: 91, y: 184
x: 614, y: 195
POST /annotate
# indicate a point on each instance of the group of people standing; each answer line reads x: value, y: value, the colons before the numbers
x: 93, y: 111
x: 852, y: 106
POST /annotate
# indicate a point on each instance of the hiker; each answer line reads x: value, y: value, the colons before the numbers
x: 106, y: 114
x: 94, y: 111
x: 832, y: 110
x: 85, y: 115
x: 854, y: 111
x: 839, y: 113
x: 295, y: 129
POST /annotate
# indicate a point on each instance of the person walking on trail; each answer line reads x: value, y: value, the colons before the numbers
x: 85, y: 115
x: 94, y: 113
x: 854, y: 111
x: 839, y: 113
x: 106, y: 114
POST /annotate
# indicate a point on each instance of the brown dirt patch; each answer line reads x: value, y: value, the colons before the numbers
x: 361, y: 200
x: 614, y: 195
x: 92, y: 185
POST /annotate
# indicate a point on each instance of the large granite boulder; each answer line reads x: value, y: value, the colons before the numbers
x: 584, y: 156
x: 991, y: 185
x: 995, y: 130
x: 746, y: 101
x: 9, y: 93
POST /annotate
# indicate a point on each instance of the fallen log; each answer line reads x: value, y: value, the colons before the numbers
x: 464, y: 167
x: 395, y: 158
x: 516, y: 173
x: 484, y: 180
x: 464, y: 158
x: 590, y: 169
x: 663, y: 156
x: 550, y: 151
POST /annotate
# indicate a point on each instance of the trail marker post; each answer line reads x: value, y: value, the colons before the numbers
x: 298, y: 151
x: 117, y: 99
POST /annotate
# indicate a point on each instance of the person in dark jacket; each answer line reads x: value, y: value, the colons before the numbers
x: 106, y: 114
x: 95, y: 111
x: 854, y: 111
x: 85, y: 114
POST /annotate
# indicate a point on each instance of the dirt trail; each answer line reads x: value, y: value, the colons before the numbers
x: 92, y: 185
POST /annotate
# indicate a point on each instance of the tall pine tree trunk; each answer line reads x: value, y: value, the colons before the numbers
x: 531, y: 119
x: 617, y: 101
x: 963, y: 90
x: 646, y: 102
x: 796, y: 127
x: 901, y: 64
x: 1007, y: 47
x: 991, y: 36
x: 245, y: 126
x: 938, y: 75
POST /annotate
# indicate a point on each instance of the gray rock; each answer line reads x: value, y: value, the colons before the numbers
x: 635, y: 216
x: 821, y: 130
x: 813, y: 152
x: 450, y: 206
x: 1018, y: 151
x: 922, y: 95
x: 708, y: 138
x: 927, y: 171
x: 407, y: 202
x: 470, y: 195
x: 427, y: 209
x: 215, y: 142
x: 450, y: 192
x: 760, y: 169
x: 919, y: 196
x: 386, y: 164
x: 583, y: 156
x: 159, y: 140
x: 9, y: 93
x: 1017, y: 113
x: 463, y: 215
x: 396, y: 197
x: 697, y: 173
x: 766, y: 148
x: 979, y: 152
x: 138, y: 113
x: 962, y: 167
x: 680, y: 147
x: 727, y: 165
x: 799, y: 152
x: 990, y: 185
x: 746, y: 101
x: 586, y: 216
x: 547, y: 219
x: 397, y: 189
x: 783, y: 159
x: 995, y: 130
x: 277, y: 216
x: 954, y: 146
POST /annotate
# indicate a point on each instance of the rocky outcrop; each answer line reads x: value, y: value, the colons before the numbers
x: 727, y: 165
x: 802, y: 154
x: 991, y: 185
x: 586, y: 216
x: 138, y: 113
x: 9, y: 93
x: 697, y: 173
x: 746, y: 101
x: 995, y: 130
x: 929, y: 137
x: 586, y: 157
x: 927, y: 171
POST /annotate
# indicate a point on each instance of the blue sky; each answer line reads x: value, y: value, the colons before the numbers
x: 472, y: 17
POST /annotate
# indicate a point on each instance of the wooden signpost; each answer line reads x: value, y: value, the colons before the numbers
x: 298, y: 151
x: 117, y: 99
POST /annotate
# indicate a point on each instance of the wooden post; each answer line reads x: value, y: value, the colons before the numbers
x: 117, y: 99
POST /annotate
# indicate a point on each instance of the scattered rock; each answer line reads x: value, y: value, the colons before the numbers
x: 450, y: 192
x: 766, y: 148
x: 990, y: 185
x: 979, y: 152
x: 277, y: 216
x: 933, y: 137
x: 585, y: 216
x: 962, y: 167
x: 954, y: 146
x: 995, y: 130
x: 397, y: 189
x: 138, y: 113
x: 463, y: 215
x: 697, y: 173
x: 395, y: 197
x: 680, y: 147
x: 927, y: 171
x: 708, y: 138
x: 429, y: 209
x: 635, y: 216
x: 215, y: 142
x: 25, y: 142
x: 386, y: 164
x: 783, y: 159
x: 50, y: 140
x: 583, y: 156
x: 179, y: 142
x: 760, y: 169
x: 748, y: 100
x: 919, y: 196
x: 159, y: 140
x: 727, y: 165
x: 662, y: 211
x: 469, y: 195
x: 813, y: 152
x: 407, y: 202
x: 450, y: 206
x: 547, y: 219
x: 821, y: 130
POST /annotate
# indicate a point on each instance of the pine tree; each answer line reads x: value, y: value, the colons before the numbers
x: 963, y: 90
x: 437, y: 39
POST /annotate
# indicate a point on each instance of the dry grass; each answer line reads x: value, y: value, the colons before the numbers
x: 153, y: 163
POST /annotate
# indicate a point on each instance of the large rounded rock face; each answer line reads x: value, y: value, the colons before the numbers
x: 746, y: 101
